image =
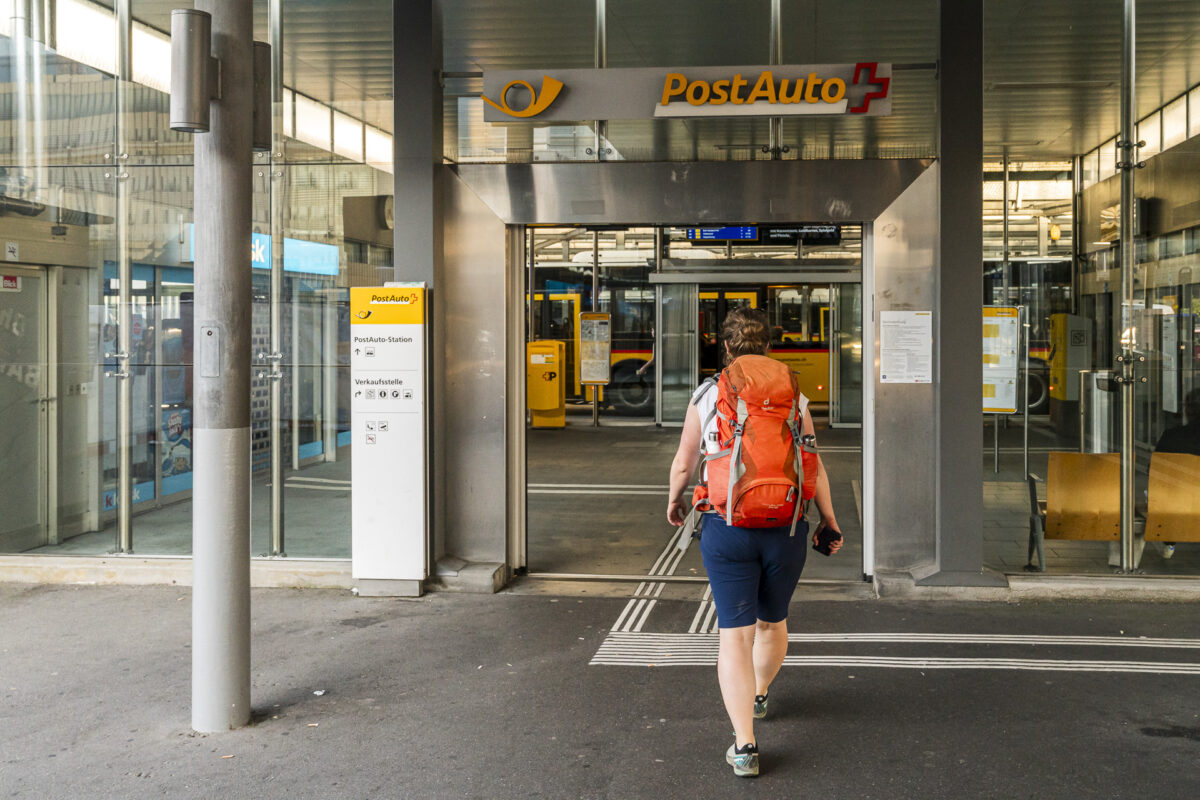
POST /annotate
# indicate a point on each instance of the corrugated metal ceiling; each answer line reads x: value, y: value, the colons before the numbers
x: 1051, y: 67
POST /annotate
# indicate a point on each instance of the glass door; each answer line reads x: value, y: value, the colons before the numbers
x: 678, y: 342
x: 845, y: 361
x: 25, y: 407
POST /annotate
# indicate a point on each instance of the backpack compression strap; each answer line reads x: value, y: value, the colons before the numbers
x: 736, y: 469
x: 794, y: 427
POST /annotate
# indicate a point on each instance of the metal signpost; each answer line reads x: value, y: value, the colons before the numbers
x: 387, y: 401
x: 1001, y: 368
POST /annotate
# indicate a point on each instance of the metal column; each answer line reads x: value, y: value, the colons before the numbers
x: 1126, y: 164
x: 957, y: 345
x: 595, y: 307
x: 1005, y: 278
x: 279, y: 200
x: 601, y: 62
x: 221, y: 494
x: 775, y: 56
x: 124, y: 373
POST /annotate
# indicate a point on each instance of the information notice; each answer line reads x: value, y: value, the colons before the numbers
x: 1001, y: 358
x: 906, y: 347
x: 595, y: 348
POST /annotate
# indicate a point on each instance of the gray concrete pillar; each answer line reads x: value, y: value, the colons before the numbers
x: 958, y: 344
x: 221, y: 421
x: 417, y: 139
x: 418, y: 237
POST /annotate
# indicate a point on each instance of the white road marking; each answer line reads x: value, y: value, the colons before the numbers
x: 317, y: 480
x: 679, y: 639
x: 681, y: 649
x: 700, y: 611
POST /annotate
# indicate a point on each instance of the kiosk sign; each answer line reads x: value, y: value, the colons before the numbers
x: 387, y: 401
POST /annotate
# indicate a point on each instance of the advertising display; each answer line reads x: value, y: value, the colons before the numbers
x: 176, y: 465
x: 387, y: 401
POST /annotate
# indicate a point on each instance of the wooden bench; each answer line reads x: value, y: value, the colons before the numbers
x: 1173, y: 505
x: 1083, y: 502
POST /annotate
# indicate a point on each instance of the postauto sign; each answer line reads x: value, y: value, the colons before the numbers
x: 572, y: 95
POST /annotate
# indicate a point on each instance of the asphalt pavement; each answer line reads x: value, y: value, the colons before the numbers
x: 524, y: 695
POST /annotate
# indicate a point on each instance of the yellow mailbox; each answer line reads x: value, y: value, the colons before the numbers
x: 545, y: 383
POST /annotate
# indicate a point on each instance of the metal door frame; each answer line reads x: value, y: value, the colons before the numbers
x: 46, y: 357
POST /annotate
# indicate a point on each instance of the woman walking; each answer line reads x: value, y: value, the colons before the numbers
x: 753, y: 571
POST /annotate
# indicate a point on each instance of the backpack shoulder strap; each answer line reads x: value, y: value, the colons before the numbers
x: 703, y: 388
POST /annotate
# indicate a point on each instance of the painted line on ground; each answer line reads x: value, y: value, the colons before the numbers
x: 665, y: 650
x: 1033, y: 640
x: 317, y: 480
x: 700, y: 611
x: 633, y: 617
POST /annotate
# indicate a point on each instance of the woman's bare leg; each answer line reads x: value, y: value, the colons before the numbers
x: 735, y: 672
x: 770, y: 648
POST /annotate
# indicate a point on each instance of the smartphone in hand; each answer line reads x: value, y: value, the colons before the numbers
x: 824, y: 537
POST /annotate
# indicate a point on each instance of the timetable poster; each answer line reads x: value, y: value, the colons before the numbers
x: 595, y: 347
x: 1001, y: 358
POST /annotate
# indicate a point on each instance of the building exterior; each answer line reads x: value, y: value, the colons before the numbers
x: 652, y: 163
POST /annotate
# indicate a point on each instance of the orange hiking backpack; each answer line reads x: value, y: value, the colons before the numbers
x: 763, y: 472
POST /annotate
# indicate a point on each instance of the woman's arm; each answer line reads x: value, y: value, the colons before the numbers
x: 687, y: 458
x: 824, y: 495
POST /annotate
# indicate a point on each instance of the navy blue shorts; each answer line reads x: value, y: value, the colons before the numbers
x: 753, y: 571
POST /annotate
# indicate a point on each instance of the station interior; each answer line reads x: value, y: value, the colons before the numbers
x: 596, y: 478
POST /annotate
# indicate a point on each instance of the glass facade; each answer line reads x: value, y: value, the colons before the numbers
x: 96, y: 218
x: 95, y: 183
x: 1053, y: 475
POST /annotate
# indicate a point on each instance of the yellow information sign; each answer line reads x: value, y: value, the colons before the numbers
x: 371, y: 305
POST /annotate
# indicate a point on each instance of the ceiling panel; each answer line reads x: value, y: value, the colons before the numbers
x: 1051, y: 69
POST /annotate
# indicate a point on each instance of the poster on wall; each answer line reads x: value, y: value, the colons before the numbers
x: 906, y: 347
x: 1170, y: 363
x: 176, y: 461
x: 595, y: 348
x: 1001, y: 358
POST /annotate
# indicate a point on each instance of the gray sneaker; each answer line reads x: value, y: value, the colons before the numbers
x: 760, y: 706
x: 744, y: 760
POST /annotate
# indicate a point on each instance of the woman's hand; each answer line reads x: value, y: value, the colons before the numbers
x: 676, y: 512
x: 837, y: 543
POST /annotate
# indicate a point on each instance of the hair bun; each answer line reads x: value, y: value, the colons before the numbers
x: 745, y: 332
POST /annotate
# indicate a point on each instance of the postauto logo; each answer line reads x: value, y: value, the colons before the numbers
x: 813, y: 89
x: 540, y: 100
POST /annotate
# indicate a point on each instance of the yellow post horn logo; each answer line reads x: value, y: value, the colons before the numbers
x: 541, y: 101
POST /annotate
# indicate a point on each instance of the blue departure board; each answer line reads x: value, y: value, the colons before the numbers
x: 736, y: 233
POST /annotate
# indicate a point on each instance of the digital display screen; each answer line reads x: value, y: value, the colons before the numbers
x: 733, y: 233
